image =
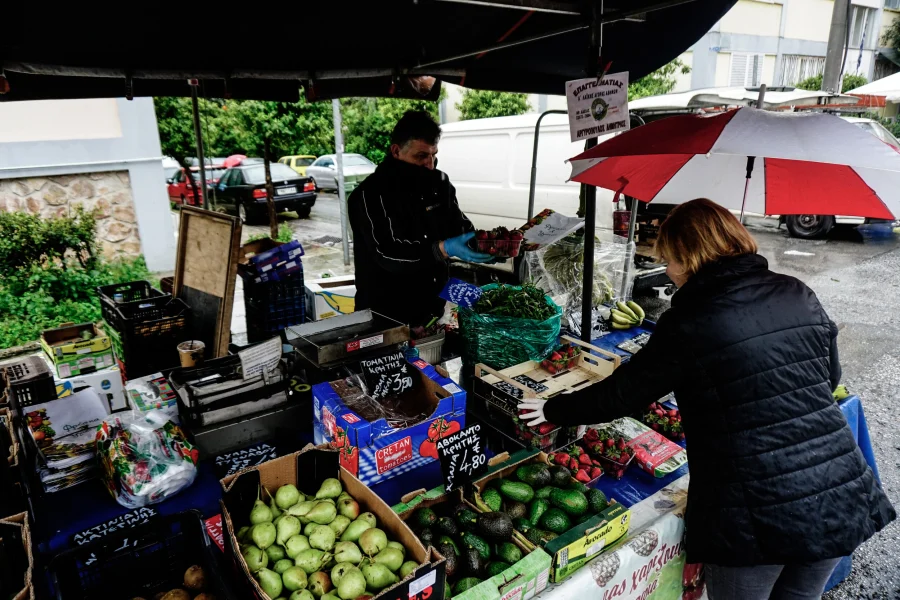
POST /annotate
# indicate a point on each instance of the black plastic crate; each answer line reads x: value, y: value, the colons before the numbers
x: 146, y: 356
x: 29, y: 382
x: 140, y: 294
x: 271, y: 306
x: 142, y: 324
x: 141, y: 562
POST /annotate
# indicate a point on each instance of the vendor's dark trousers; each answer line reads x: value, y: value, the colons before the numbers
x: 769, y: 582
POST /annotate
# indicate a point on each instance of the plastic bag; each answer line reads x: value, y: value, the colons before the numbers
x: 502, y: 342
x: 145, y: 458
x: 558, y: 269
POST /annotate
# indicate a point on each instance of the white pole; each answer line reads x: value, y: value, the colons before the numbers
x: 339, y: 151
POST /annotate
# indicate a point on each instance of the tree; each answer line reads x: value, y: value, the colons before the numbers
x: 891, y: 37
x: 368, y: 123
x: 850, y: 82
x: 660, y: 81
x: 481, y: 104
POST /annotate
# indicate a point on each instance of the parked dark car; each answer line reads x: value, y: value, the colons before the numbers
x: 242, y: 191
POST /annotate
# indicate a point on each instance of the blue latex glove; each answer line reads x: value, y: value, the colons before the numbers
x: 458, y: 247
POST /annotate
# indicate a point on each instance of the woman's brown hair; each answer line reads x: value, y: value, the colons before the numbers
x: 700, y: 232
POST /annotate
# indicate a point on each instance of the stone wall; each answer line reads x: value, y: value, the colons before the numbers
x: 108, y: 193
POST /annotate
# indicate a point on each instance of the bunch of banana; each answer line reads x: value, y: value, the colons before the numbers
x: 626, y: 315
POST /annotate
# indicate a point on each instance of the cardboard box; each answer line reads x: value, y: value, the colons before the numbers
x: 330, y: 297
x: 72, y: 355
x: 6, y: 421
x: 374, y: 451
x: 307, y: 469
x: 571, y: 550
x: 107, y: 383
x: 17, y: 525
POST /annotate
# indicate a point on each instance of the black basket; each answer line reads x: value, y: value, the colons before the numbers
x: 29, y: 382
x: 148, y: 346
x: 134, y: 293
x: 141, y: 562
x: 270, y: 306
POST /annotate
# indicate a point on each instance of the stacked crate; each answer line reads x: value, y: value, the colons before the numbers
x: 274, y: 294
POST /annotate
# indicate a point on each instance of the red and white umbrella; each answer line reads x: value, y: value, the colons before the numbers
x: 809, y: 163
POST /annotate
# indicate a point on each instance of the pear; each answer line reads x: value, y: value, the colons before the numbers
x: 348, y: 507
x: 295, y: 545
x: 331, y: 488
x: 301, y: 508
x: 398, y: 546
x: 294, y: 579
x: 368, y: 518
x: 283, y: 565
x: 407, y: 568
x: 347, y: 552
x: 308, y: 528
x: 328, y: 500
x: 263, y: 535
x: 389, y: 557
x: 312, y: 560
x: 255, y: 558
x: 270, y: 582
x: 302, y: 595
x: 320, y: 584
x: 337, y: 572
x: 344, y: 495
x: 242, y: 533
x: 332, y: 595
x: 377, y: 575
x: 275, y: 553
x: 322, y: 538
x: 286, y: 496
x: 260, y: 513
x: 339, y: 525
x: 372, y: 541
x: 352, y: 584
x: 354, y: 530
x: 322, y: 513
x: 288, y: 527
x: 276, y: 512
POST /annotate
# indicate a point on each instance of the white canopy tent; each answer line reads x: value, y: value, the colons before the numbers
x: 889, y: 87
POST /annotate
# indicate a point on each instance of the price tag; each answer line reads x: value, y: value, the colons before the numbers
x: 129, y: 520
x: 388, y: 375
x: 462, y: 457
x: 232, y: 462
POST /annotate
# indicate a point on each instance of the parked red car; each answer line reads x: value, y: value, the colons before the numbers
x: 182, y: 192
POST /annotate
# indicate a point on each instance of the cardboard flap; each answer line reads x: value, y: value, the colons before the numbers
x: 315, y: 466
x: 242, y: 491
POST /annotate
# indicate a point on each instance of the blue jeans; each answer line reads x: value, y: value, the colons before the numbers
x: 769, y: 582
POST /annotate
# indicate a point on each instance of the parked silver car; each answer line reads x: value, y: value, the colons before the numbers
x: 324, y: 171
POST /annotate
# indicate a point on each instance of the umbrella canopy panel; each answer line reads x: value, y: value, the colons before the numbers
x: 347, y: 49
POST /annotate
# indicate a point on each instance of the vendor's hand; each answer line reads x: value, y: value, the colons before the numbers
x: 458, y: 246
x: 535, y: 408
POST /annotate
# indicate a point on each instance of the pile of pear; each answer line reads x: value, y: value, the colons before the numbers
x: 319, y: 547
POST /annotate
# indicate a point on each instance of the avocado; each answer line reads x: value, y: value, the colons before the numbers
x: 538, y: 508
x: 516, y: 490
x: 426, y: 536
x: 577, y: 486
x: 472, y: 563
x: 597, y: 501
x: 543, y: 493
x: 447, y: 593
x: 560, y: 476
x: 515, y: 510
x: 535, y: 536
x: 470, y: 540
x: 522, y: 525
x: 509, y: 552
x: 452, y: 560
x: 496, y: 567
x: 465, y: 584
x: 465, y: 518
x: 556, y: 521
x: 535, y: 475
x: 446, y: 526
x: 496, y: 526
x: 572, y: 501
x: 492, y: 498
x: 423, y: 518
x: 446, y: 539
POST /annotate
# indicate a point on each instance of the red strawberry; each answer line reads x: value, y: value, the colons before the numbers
x: 516, y: 234
x: 481, y: 234
x: 582, y: 476
x: 659, y: 412
x: 551, y: 369
x: 562, y: 459
x: 570, y: 351
x: 492, y: 250
x: 573, y: 464
x: 610, y: 443
x: 555, y: 357
x: 545, y: 428
x: 620, y: 473
x: 655, y: 426
x: 584, y: 459
x: 620, y: 444
x: 673, y: 413
x: 596, y: 463
x: 592, y: 435
x: 596, y: 472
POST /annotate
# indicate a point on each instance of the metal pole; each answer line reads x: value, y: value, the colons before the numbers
x: 760, y: 104
x: 270, y: 192
x: 537, y: 134
x: 629, y: 262
x: 834, y: 51
x: 590, y: 200
x: 198, y: 134
x: 342, y: 198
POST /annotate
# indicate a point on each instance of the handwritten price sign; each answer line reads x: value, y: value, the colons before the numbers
x: 387, y: 375
x: 462, y: 457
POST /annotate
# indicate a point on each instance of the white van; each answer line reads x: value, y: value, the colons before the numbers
x: 489, y: 163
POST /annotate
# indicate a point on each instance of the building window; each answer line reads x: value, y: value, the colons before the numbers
x: 746, y: 69
x: 795, y: 68
x: 892, y: 4
x: 862, y: 26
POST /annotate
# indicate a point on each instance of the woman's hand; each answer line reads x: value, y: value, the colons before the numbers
x: 535, y: 406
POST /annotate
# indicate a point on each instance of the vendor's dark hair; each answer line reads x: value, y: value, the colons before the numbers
x: 416, y: 125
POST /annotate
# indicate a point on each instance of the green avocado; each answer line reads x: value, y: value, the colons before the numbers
x: 516, y: 490
x: 538, y: 508
x: 577, y: 486
x: 509, y: 553
x: 597, y: 501
x: 465, y: 584
x: 522, y: 525
x: 560, y: 476
x: 472, y: 563
x: 446, y: 539
x: 496, y: 526
x: 535, y: 474
x: 426, y: 536
x: 496, y: 567
x: 470, y: 540
x: 572, y: 501
x: 452, y: 560
x: 492, y: 498
x: 514, y: 509
x: 544, y: 492
x: 422, y: 518
x: 446, y: 526
x: 539, y: 537
x: 556, y: 521
x: 465, y: 518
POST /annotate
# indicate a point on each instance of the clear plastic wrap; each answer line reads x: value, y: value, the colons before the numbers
x: 146, y: 458
x: 558, y: 269
x: 397, y: 411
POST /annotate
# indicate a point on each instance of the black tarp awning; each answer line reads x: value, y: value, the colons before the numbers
x: 266, y: 51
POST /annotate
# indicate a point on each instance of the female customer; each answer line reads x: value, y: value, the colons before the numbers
x: 779, y: 489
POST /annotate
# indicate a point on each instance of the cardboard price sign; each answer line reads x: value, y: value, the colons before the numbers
x: 129, y: 520
x: 462, y: 457
x: 386, y: 375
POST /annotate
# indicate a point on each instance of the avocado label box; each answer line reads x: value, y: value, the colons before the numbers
x: 330, y: 297
x: 77, y: 349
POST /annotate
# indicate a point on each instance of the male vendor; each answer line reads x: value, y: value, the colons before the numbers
x: 406, y: 226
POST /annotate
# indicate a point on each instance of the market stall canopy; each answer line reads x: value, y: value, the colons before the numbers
x: 775, y: 98
x: 345, y: 49
x: 888, y: 87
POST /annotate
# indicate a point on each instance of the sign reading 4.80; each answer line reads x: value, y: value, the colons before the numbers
x: 462, y: 457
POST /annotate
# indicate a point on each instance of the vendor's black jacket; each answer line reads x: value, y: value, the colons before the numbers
x: 776, y: 476
x: 399, y: 214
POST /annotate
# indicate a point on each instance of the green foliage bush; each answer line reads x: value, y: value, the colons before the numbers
x: 285, y: 234
x: 50, y: 270
x: 850, y: 82
x: 483, y: 104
